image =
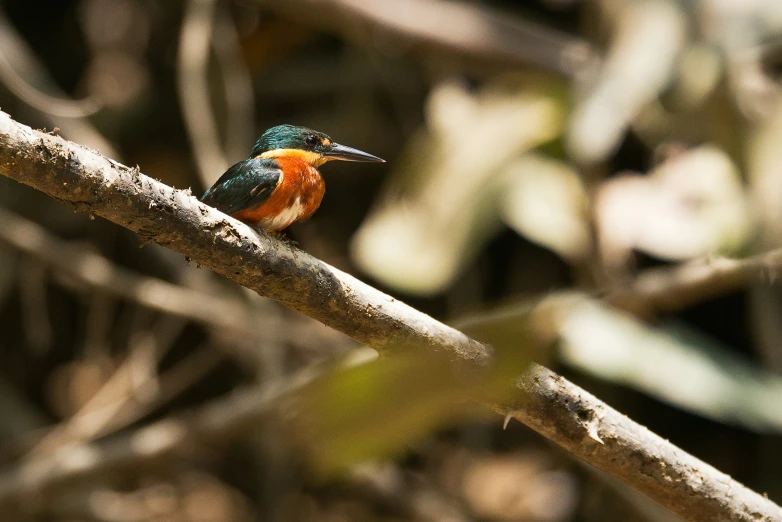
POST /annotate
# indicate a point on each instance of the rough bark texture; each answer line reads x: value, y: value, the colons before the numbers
x: 551, y: 405
x: 587, y: 427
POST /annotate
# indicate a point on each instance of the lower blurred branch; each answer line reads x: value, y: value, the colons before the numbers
x: 124, y: 399
x: 219, y: 421
x: 548, y: 403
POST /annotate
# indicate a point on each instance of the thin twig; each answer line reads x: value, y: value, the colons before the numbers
x: 237, y: 86
x: 193, y: 87
x: 22, y: 59
x: 41, y: 101
x: 548, y: 403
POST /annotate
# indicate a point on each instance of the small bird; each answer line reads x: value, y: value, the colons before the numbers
x: 280, y: 182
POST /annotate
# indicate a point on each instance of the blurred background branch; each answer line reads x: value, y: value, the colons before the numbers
x: 91, y: 269
x: 671, y: 289
x: 453, y: 28
x: 18, y: 57
x: 194, y: 53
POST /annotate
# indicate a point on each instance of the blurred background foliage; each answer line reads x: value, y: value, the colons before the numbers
x: 551, y: 164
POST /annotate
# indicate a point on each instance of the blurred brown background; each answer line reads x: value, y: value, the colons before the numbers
x: 549, y: 151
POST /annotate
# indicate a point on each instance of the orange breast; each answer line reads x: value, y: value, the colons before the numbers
x: 296, y: 198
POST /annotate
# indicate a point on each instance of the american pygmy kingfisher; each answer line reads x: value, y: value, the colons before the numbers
x: 280, y: 182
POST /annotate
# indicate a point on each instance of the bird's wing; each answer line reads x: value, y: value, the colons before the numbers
x: 247, y: 184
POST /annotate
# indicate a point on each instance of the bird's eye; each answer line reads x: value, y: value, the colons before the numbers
x: 311, y: 140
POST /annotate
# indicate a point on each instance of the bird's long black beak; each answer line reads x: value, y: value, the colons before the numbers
x: 341, y: 152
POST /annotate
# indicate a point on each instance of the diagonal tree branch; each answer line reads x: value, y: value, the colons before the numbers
x: 548, y: 403
x: 173, y: 218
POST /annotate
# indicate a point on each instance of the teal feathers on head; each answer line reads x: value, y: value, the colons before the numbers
x: 284, y: 140
x: 291, y: 137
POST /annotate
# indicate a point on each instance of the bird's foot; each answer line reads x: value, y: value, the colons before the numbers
x: 262, y: 232
x: 277, y: 235
x: 287, y: 240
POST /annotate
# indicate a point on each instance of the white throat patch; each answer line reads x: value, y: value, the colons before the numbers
x: 285, y: 218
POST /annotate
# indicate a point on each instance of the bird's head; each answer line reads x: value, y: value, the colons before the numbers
x: 312, y: 146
